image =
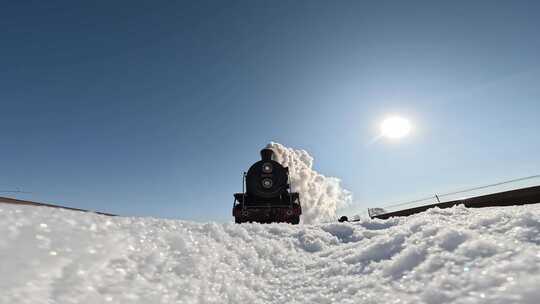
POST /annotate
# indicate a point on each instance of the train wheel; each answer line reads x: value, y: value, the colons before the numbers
x: 237, y: 220
x: 295, y: 220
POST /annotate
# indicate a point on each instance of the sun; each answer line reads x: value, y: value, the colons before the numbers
x: 395, y: 127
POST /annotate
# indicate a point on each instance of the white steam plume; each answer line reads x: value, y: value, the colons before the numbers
x: 320, y: 196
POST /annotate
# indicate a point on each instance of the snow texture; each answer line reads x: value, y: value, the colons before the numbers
x: 321, y: 196
x: 455, y: 255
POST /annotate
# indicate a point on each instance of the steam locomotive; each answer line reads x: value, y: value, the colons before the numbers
x: 267, y: 197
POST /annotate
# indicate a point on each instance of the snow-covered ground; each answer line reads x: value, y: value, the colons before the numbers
x: 454, y: 255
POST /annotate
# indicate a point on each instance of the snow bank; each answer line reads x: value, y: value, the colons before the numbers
x: 321, y: 196
x: 454, y: 255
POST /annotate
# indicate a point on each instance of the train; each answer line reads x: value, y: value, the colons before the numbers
x: 266, y: 195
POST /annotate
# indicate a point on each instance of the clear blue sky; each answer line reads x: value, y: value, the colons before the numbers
x: 156, y: 107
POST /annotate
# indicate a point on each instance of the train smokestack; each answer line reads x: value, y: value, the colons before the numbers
x: 267, y: 154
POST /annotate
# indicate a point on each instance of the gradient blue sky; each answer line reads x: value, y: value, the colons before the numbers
x: 156, y: 107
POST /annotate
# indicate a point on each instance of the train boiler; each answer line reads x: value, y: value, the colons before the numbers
x: 266, y: 195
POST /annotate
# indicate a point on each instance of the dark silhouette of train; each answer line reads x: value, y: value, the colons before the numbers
x: 266, y: 195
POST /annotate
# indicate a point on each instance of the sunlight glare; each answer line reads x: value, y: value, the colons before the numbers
x: 395, y: 127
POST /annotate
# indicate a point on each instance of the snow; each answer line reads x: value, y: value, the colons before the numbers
x: 455, y: 255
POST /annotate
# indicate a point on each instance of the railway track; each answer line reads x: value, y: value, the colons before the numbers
x: 14, y: 201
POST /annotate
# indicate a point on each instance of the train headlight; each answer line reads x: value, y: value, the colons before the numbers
x: 267, y: 183
x: 267, y: 168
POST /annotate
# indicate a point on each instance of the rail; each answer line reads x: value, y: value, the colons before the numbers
x: 14, y: 201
